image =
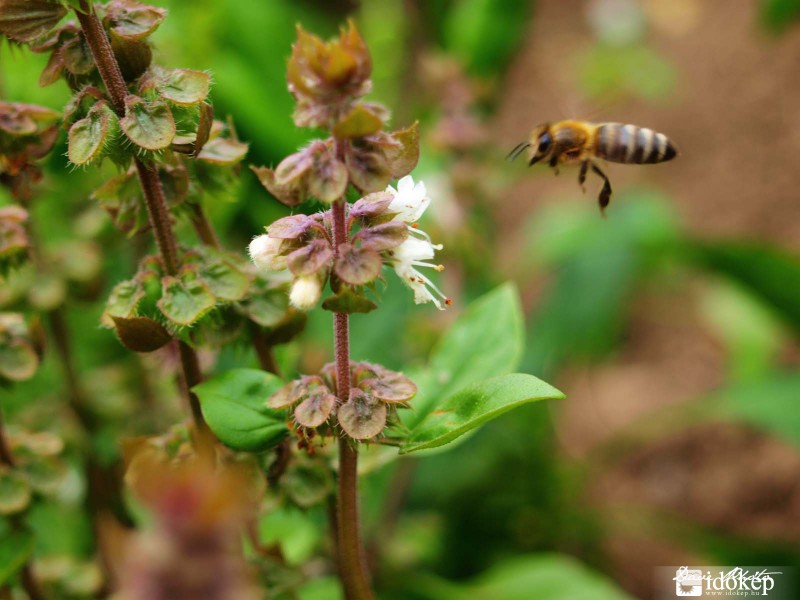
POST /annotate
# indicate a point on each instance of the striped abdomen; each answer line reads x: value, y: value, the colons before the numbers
x: 631, y: 144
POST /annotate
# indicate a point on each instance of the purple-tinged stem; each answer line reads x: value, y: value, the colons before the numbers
x: 153, y: 191
x: 350, y: 552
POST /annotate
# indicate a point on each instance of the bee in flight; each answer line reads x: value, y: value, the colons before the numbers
x: 580, y: 143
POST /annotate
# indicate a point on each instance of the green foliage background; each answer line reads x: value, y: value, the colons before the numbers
x: 504, y: 516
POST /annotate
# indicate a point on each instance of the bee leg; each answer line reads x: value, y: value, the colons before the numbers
x: 605, y: 194
x: 582, y: 175
x: 554, y: 163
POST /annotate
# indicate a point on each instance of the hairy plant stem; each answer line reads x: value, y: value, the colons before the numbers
x: 153, y: 191
x: 350, y: 552
x: 158, y: 215
x: 263, y: 349
x: 203, y: 227
x: 103, y: 56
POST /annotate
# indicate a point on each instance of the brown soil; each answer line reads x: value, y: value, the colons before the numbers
x: 733, y: 117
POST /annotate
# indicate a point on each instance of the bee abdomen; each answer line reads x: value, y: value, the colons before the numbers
x: 631, y: 144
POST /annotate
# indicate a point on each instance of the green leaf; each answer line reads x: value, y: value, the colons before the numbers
x: 124, y: 299
x: 307, y: 484
x: 15, y: 550
x: 15, y: 492
x: 184, y: 301
x: 347, y: 301
x: 234, y: 405
x: 267, y: 306
x: 764, y: 270
x: 777, y: 15
x: 121, y: 197
x: 594, y: 266
x: 484, y: 34
x: 296, y: 531
x: 224, y: 280
x: 475, y: 405
x: 534, y: 577
x: 184, y: 87
x: 750, y: 332
x: 636, y: 70
x: 45, y: 474
x: 770, y: 404
x: 486, y: 341
x: 149, y: 125
x: 322, y: 588
x: 88, y: 137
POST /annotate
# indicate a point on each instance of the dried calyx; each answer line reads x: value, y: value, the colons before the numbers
x: 376, y: 393
x: 382, y: 231
x: 27, y: 134
x: 328, y: 81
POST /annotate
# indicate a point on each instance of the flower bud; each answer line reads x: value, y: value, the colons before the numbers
x: 264, y: 251
x: 325, y: 77
x: 306, y: 292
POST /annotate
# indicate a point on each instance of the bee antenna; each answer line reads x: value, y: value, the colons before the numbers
x: 518, y: 149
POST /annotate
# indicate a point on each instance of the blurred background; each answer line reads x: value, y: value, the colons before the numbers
x: 671, y: 325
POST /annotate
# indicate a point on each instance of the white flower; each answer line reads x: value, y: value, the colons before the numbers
x: 306, y: 292
x: 264, y: 253
x: 410, y: 200
x: 416, y: 251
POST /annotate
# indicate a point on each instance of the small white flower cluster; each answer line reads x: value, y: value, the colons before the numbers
x: 408, y: 204
x: 265, y: 254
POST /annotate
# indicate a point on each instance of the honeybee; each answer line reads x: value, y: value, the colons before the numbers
x: 581, y: 142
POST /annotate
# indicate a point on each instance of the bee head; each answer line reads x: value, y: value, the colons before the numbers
x: 541, y: 144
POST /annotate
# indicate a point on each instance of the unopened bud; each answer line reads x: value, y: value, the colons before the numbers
x: 264, y: 251
x: 306, y: 292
